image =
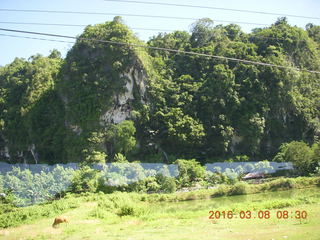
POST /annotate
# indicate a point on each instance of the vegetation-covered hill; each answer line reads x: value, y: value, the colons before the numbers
x: 107, y: 102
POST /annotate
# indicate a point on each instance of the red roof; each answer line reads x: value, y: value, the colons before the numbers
x: 254, y: 175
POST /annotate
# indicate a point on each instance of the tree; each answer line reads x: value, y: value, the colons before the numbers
x: 31, y: 112
x: 300, y: 154
x: 202, y: 32
x: 313, y: 31
x: 120, y: 137
x: 190, y: 171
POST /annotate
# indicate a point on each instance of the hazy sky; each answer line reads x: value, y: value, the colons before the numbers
x: 18, y: 47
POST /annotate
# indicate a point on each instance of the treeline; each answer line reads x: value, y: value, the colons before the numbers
x: 55, y: 110
x: 24, y: 187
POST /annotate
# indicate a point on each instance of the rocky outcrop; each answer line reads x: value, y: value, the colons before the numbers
x: 135, y: 90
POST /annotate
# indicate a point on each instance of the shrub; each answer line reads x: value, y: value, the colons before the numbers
x: 120, y: 158
x: 148, y: 184
x: 167, y: 184
x: 231, y: 176
x: 222, y: 190
x: 300, y: 154
x: 318, y: 182
x: 16, y: 216
x: 239, y: 188
x: 190, y: 171
x: 126, y: 210
x: 85, y: 179
x: 241, y: 158
x: 216, y: 178
x: 151, y: 184
x: 282, y: 183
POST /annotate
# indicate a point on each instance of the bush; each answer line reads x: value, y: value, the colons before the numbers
x: 85, y: 179
x: 282, y: 183
x: 19, y: 216
x: 121, y: 204
x: 217, y: 178
x: 318, y: 182
x: 126, y: 210
x: 222, y: 190
x: 301, y: 156
x: 241, y: 158
x: 240, y: 188
x: 190, y: 171
x: 148, y: 184
x: 167, y: 184
x: 120, y: 158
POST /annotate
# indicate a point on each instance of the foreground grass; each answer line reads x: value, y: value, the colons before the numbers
x: 11, y: 216
x: 125, y: 216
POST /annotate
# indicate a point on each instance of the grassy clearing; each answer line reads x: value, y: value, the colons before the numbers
x: 125, y: 216
x: 132, y: 204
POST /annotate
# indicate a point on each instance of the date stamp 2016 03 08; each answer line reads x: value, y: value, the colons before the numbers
x: 262, y: 214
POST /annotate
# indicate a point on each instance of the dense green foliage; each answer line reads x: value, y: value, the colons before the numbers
x: 17, y: 216
x: 175, y: 106
x: 234, y: 108
x: 27, y: 188
x: 304, y: 158
x: 24, y: 187
x: 31, y: 112
x: 190, y: 171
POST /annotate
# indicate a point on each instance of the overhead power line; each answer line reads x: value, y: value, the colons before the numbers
x: 215, y: 8
x: 44, y: 24
x: 161, y: 49
x: 134, y: 28
x: 35, y: 38
x: 77, y: 25
x: 125, y: 15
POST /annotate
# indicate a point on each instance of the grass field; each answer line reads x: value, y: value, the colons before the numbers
x: 136, y: 220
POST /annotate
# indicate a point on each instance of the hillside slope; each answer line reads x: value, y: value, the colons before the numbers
x: 107, y: 101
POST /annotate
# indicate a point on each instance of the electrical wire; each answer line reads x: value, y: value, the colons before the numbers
x: 34, y: 38
x: 215, y: 8
x: 162, y: 49
x: 140, y: 29
x: 126, y: 15
x: 77, y: 25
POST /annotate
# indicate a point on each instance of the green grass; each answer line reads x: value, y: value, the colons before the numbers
x: 123, y: 204
x: 125, y: 216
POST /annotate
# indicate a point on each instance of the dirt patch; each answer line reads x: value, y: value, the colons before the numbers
x: 4, y: 232
x: 90, y: 221
x: 133, y: 222
x: 53, y: 231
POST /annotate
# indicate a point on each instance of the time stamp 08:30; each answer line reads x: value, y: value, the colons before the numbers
x: 262, y: 214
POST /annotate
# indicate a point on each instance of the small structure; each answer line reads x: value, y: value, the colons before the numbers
x: 254, y: 175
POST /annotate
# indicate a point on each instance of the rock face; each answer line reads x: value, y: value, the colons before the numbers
x: 135, y: 90
x: 234, y: 142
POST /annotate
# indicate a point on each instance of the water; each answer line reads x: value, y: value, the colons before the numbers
x: 219, y: 202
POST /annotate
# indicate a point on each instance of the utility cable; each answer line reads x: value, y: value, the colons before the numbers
x: 77, y: 25
x: 126, y: 15
x: 162, y: 49
x: 215, y: 8
x: 35, y: 38
x: 140, y: 29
